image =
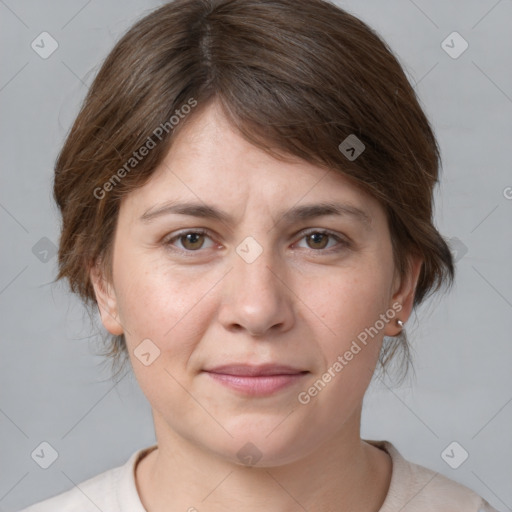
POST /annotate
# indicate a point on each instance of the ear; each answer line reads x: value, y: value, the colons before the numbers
x: 403, y: 296
x: 107, y: 301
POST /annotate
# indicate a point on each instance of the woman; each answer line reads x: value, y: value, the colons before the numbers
x: 246, y: 196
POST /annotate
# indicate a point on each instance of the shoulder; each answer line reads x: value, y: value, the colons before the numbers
x: 415, y: 488
x: 90, y: 495
x: 106, y: 491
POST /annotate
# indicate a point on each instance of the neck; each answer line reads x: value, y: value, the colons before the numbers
x: 344, y: 474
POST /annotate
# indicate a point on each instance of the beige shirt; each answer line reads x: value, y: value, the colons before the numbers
x: 413, y: 488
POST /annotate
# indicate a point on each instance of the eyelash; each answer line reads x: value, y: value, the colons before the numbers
x: 342, y: 243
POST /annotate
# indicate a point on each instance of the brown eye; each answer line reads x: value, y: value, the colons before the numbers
x: 324, y: 242
x: 317, y: 240
x: 192, y: 240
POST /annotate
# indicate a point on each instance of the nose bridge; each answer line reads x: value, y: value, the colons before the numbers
x: 253, y: 264
x: 255, y: 298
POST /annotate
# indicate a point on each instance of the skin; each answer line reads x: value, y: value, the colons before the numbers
x: 300, y: 303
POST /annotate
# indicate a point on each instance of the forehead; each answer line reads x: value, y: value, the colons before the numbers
x: 210, y: 162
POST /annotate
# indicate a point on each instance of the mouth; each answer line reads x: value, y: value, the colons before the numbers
x: 259, y: 380
x: 247, y: 370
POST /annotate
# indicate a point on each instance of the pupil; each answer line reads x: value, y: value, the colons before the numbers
x: 192, y: 238
x: 318, y: 238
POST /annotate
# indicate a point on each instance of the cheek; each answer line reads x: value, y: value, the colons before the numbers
x: 164, y: 309
x: 349, y: 302
x: 349, y: 306
x: 166, y: 306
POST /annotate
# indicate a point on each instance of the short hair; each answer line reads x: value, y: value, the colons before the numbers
x: 293, y: 77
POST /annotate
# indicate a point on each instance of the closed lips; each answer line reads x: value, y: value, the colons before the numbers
x: 255, y: 371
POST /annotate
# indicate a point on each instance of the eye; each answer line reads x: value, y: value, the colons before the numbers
x: 194, y: 240
x: 190, y: 241
x: 318, y: 239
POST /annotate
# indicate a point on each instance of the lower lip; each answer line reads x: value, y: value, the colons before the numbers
x: 257, y: 386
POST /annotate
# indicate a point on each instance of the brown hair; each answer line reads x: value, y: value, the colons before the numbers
x: 295, y: 77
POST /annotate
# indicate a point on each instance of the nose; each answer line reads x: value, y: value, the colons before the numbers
x: 257, y: 297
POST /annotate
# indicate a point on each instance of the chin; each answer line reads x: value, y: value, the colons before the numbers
x: 264, y: 443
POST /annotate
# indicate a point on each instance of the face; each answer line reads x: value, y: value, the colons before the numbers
x: 269, y: 280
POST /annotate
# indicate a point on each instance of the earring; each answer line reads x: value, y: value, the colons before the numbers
x: 400, y: 323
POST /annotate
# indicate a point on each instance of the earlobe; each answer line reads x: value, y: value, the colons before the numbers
x: 107, y: 302
x: 403, y: 298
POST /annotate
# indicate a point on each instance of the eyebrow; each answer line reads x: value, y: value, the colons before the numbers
x: 295, y: 214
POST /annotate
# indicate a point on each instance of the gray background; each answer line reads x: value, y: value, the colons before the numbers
x: 54, y: 388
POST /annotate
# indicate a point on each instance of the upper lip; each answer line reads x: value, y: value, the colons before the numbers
x: 255, y: 370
